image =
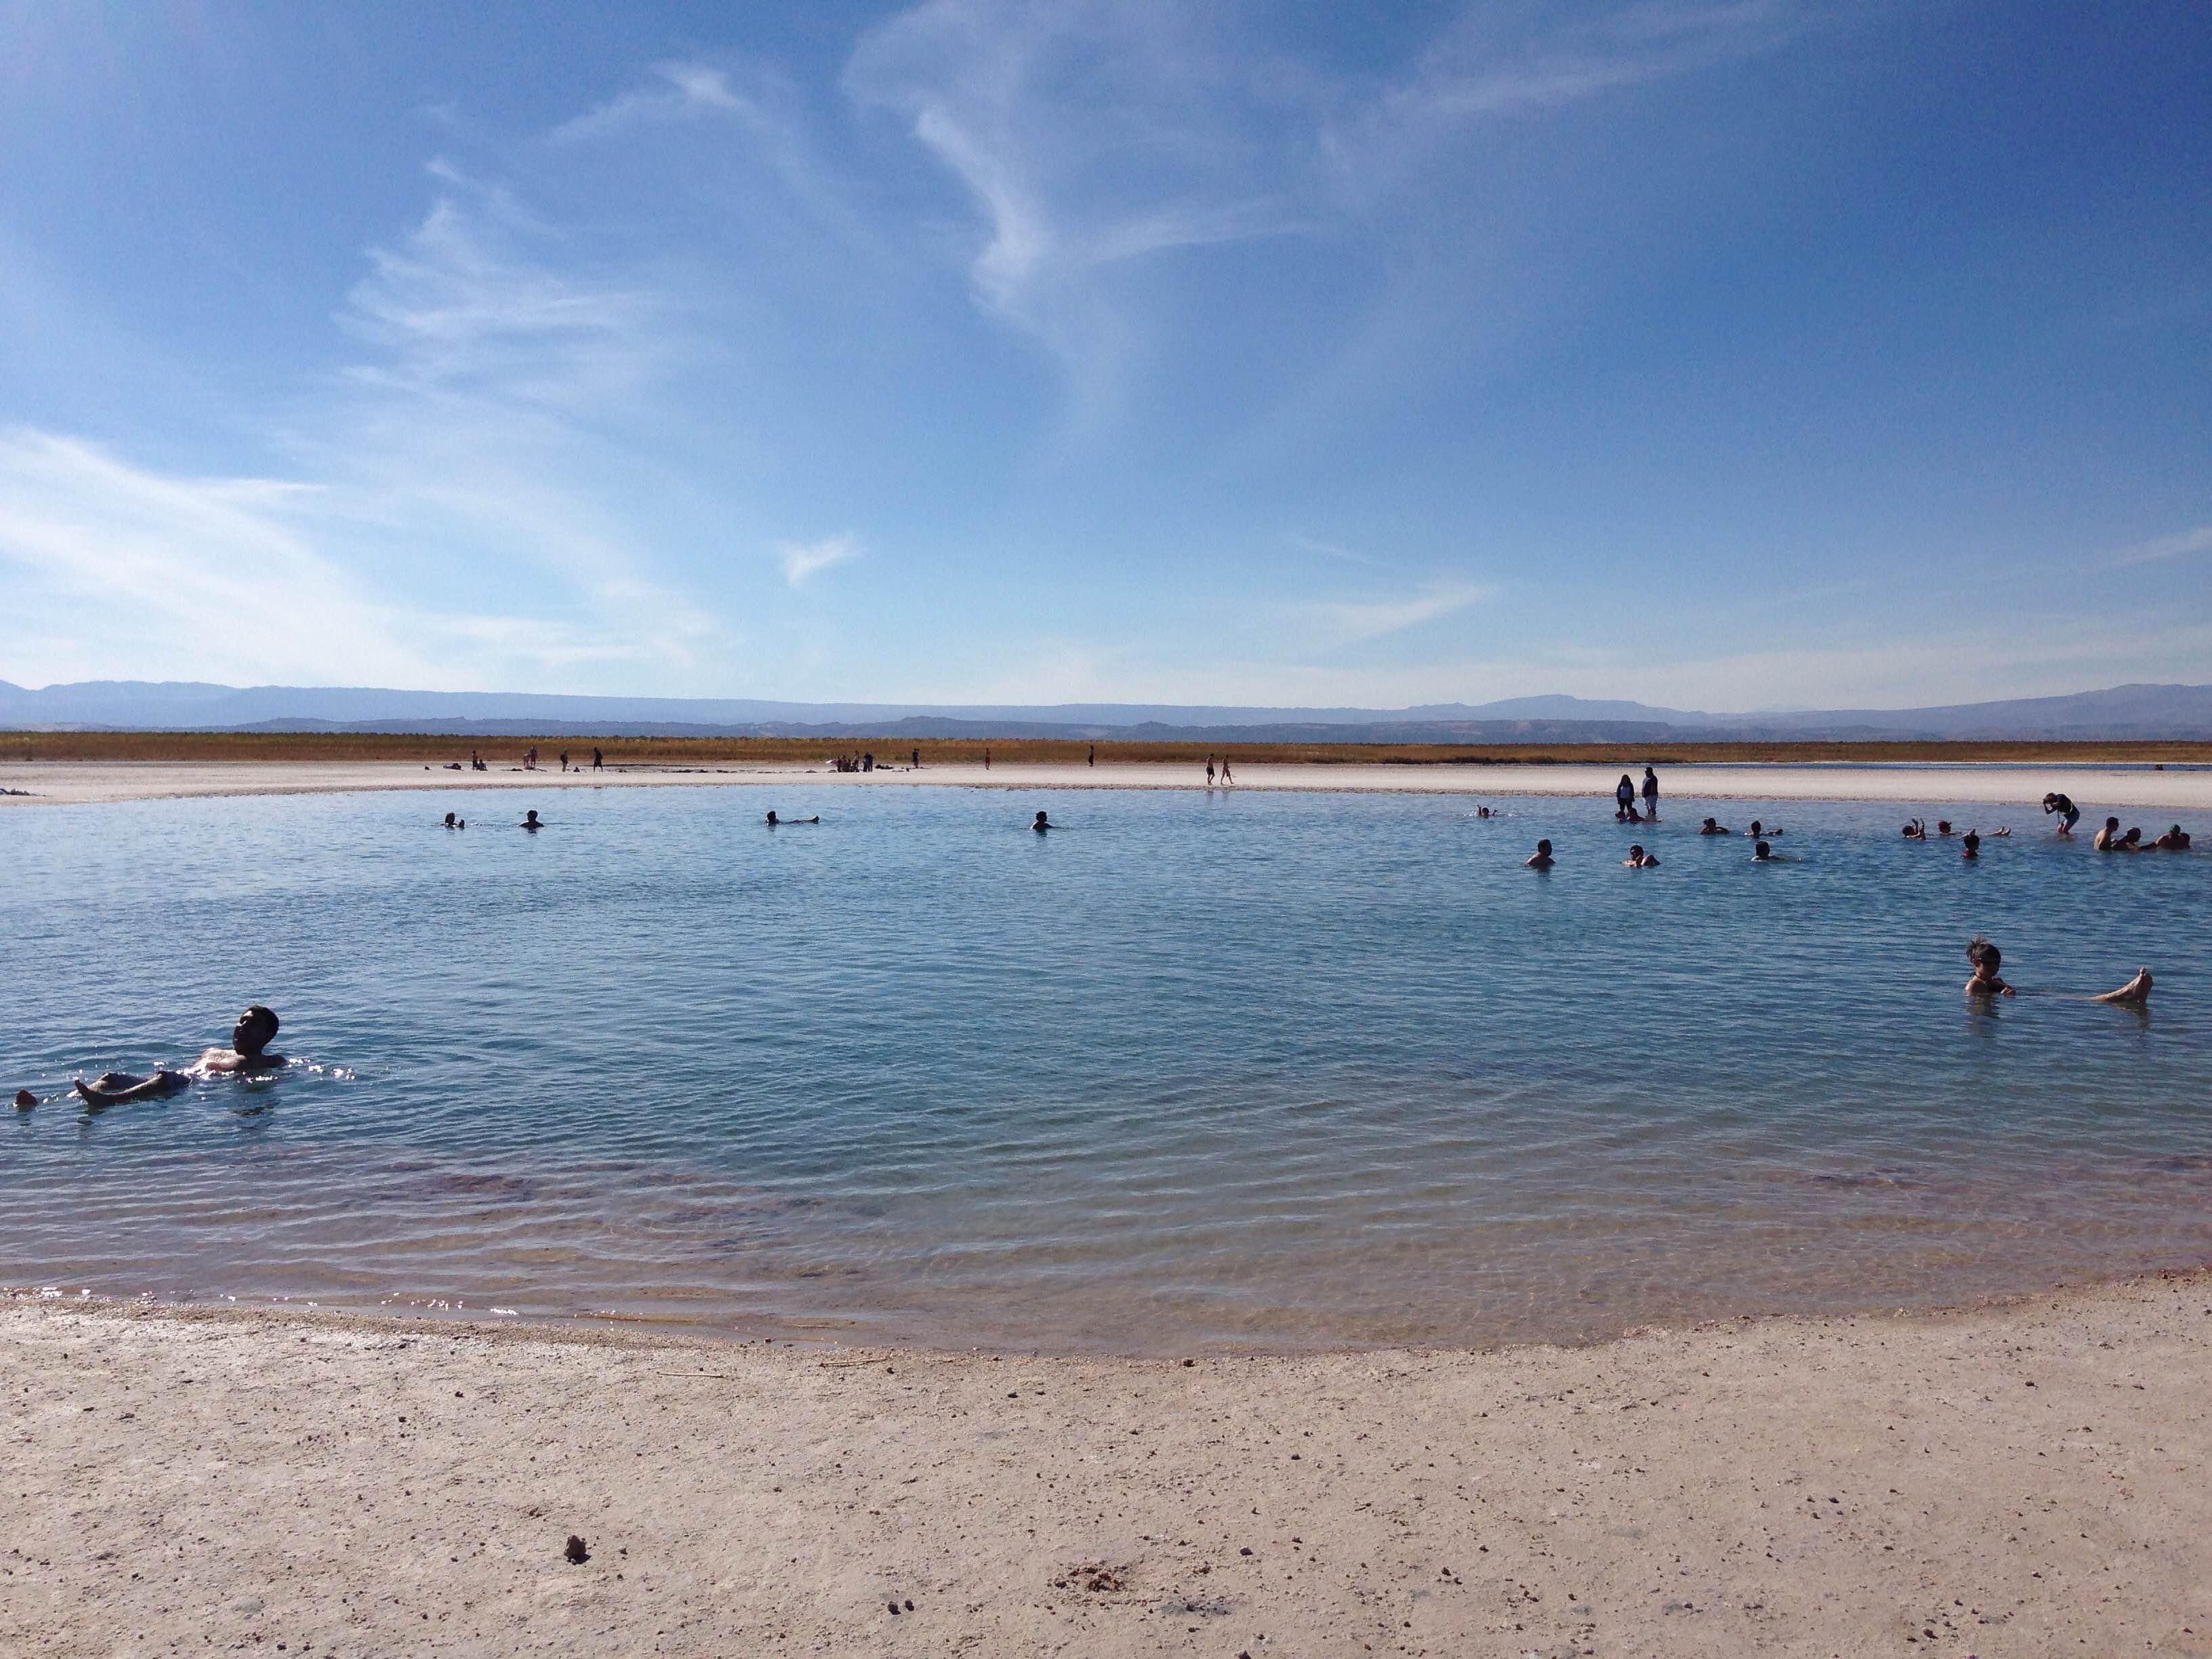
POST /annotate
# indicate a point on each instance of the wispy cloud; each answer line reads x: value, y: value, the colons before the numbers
x: 2176, y: 546
x: 682, y: 92
x: 1346, y: 622
x: 801, y: 560
x: 227, y: 578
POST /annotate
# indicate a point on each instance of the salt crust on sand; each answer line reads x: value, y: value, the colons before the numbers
x: 2018, y: 789
x: 2028, y: 1479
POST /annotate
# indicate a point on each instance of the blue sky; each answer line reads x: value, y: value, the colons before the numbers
x: 1722, y: 354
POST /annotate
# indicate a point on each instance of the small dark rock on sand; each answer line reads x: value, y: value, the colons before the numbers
x: 576, y: 1551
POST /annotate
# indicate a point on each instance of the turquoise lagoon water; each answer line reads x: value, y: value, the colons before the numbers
x: 1279, y: 1070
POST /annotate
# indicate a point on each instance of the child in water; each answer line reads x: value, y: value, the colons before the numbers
x: 1986, y: 959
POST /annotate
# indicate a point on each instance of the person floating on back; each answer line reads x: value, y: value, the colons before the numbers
x: 1541, y: 859
x: 248, y: 1054
x: 774, y: 821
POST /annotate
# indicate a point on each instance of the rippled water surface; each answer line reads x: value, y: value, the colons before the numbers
x: 1282, y: 1070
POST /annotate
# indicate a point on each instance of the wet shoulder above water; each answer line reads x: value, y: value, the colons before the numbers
x: 1283, y: 1069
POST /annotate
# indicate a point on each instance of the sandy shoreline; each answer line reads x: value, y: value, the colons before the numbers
x: 2019, y: 787
x: 2018, y: 1480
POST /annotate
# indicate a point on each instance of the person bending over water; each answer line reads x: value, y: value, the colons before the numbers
x: 1637, y: 859
x: 2066, y: 811
x: 1541, y: 859
x: 248, y: 1054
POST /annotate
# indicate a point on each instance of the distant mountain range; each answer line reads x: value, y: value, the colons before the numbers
x: 2121, y: 712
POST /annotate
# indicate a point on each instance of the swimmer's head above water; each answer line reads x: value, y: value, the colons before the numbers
x: 1042, y: 823
x: 255, y: 1031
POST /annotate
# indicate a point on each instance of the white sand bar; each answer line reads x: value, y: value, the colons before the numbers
x: 2021, y: 788
x: 2022, y: 1480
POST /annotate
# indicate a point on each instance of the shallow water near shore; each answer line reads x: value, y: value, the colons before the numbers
x: 1285, y: 1071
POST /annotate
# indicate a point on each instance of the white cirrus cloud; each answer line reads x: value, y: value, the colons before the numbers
x: 801, y: 560
x: 2176, y: 546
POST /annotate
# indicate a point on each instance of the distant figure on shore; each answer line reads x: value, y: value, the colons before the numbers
x: 1972, y: 847
x: 2067, y: 813
x: 1093, y: 761
x: 2175, y: 840
x: 1541, y: 859
x: 248, y: 1054
x: 987, y: 760
x: 1651, y: 794
x: 1986, y: 959
x: 477, y: 763
x: 531, y: 820
x: 1042, y: 823
x: 1714, y: 826
x: 529, y: 758
x: 1916, y: 830
x: 599, y: 762
x: 916, y: 762
x: 564, y: 760
x: 1225, y: 779
x: 1637, y: 859
x: 774, y: 821
x: 1209, y: 771
x: 1624, y: 799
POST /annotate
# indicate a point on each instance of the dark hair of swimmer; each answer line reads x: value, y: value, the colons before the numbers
x: 25, y: 1100
x: 1042, y: 823
x: 255, y: 1029
x: 449, y: 820
x: 531, y: 817
x: 771, y: 820
x: 1983, y: 954
x: 1760, y: 849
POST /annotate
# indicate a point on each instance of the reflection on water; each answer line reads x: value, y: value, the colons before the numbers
x: 1278, y: 1070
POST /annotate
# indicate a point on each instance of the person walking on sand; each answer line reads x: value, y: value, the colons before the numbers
x: 1209, y: 771
x: 599, y: 762
x: 1093, y: 761
x: 1225, y: 779
x: 1650, y: 795
x: 564, y: 760
x: 987, y: 760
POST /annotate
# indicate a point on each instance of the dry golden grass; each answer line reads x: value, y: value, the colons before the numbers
x: 278, y: 747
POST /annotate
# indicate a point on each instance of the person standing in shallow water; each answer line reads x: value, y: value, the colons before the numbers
x: 1650, y: 795
x: 1624, y: 799
x: 1541, y: 859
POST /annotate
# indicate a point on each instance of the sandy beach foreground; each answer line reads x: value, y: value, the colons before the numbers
x: 2023, y: 1479
x: 2018, y: 787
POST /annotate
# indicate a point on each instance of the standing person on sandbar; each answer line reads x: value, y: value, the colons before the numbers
x: 1650, y: 795
x: 1225, y: 779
